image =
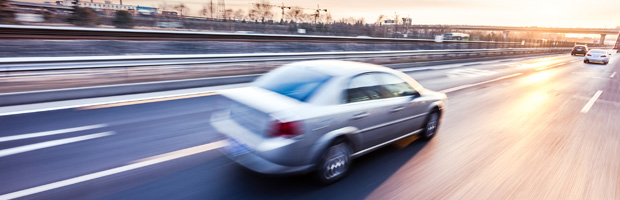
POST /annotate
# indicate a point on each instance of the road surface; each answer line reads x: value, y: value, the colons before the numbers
x: 528, y: 128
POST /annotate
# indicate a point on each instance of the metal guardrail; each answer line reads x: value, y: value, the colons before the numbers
x: 76, y: 33
x: 22, y: 67
x: 92, y: 62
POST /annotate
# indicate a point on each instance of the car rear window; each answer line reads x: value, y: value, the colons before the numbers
x: 580, y: 47
x: 598, y: 51
x: 295, y: 82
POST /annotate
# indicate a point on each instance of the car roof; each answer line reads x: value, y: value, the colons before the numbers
x: 339, y: 67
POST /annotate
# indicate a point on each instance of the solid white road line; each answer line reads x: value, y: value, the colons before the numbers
x: 46, y: 133
x: 588, y: 105
x: 91, y: 104
x: 36, y: 146
x: 148, y: 162
x: 480, y: 83
x: 77, y: 103
x: 612, y: 75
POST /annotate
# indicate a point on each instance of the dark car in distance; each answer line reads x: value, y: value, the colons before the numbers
x: 579, y: 49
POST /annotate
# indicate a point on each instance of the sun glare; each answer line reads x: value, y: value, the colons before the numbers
x: 539, y: 77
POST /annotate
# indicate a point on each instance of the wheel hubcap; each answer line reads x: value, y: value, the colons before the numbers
x: 337, y: 162
x: 431, y: 126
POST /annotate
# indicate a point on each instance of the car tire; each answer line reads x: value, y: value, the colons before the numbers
x: 585, y: 61
x: 605, y: 63
x: 334, y: 163
x: 430, y: 126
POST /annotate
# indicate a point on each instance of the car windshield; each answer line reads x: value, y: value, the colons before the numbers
x: 295, y: 82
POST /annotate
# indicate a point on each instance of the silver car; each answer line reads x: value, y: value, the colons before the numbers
x: 315, y: 116
x: 597, y: 55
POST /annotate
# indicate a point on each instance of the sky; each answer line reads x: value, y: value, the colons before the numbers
x: 550, y: 13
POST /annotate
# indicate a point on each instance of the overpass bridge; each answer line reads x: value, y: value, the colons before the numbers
x: 507, y: 29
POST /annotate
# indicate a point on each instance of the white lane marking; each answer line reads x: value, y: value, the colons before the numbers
x: 95, y: 104
x: 480, y: 83
x: 614, y: 103
x: 77, y: 103
x: 36, y: 146
x: 588, y: 75
x: 612, y: 75
x: 469, y: 72
x: 588, y: 105
x: 47, y: 133
x: 148, y: 162
x: 413, y: 69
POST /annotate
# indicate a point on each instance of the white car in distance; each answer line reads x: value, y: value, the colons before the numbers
x: 597, y: 55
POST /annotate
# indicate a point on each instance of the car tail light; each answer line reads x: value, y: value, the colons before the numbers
x: 589, y: 54
x: 603, y: 56
x: 285, y: 129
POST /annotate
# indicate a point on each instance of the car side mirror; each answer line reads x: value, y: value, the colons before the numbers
x: 413, y: 94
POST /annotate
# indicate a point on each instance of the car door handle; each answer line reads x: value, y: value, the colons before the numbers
x: 398, y: 108
x: 360, y: 115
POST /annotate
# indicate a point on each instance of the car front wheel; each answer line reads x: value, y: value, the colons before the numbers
x: 431, y: 126
x: 334, y: 163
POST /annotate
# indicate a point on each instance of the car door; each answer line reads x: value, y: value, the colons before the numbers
x: 365, y: 107
x: 408, y: 112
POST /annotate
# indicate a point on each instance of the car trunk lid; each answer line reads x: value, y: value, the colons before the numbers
x: 255, y: 109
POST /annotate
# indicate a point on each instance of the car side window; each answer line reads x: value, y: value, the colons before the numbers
x: 395, y: 85
x: 365, y: 87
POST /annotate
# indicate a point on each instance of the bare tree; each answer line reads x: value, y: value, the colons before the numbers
x: 206, y: 10
x: 380, y: 19
x: 261, y: 11
x: 228, y: 14
x: 239, y: 14
x: 84, y: 17
x: 360, y: 21
x: 326, y: 18
x: 123, y: 19
x: 351, y: 20
x: 182, y: 9
x: 296, y: 14
x: 164, y: 6
x: 397, y: 19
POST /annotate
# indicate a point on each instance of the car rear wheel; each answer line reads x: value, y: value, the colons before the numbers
x: 431, y: 126
x: 585, y: 61
x: 334, y: 163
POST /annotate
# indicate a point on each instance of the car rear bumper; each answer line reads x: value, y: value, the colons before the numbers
x: 261, y: 165
x: 578, y: 52
x: 602, y: 60
x: 263, y: 155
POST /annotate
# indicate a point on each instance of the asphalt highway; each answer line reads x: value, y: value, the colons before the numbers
x: 525, y: 128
